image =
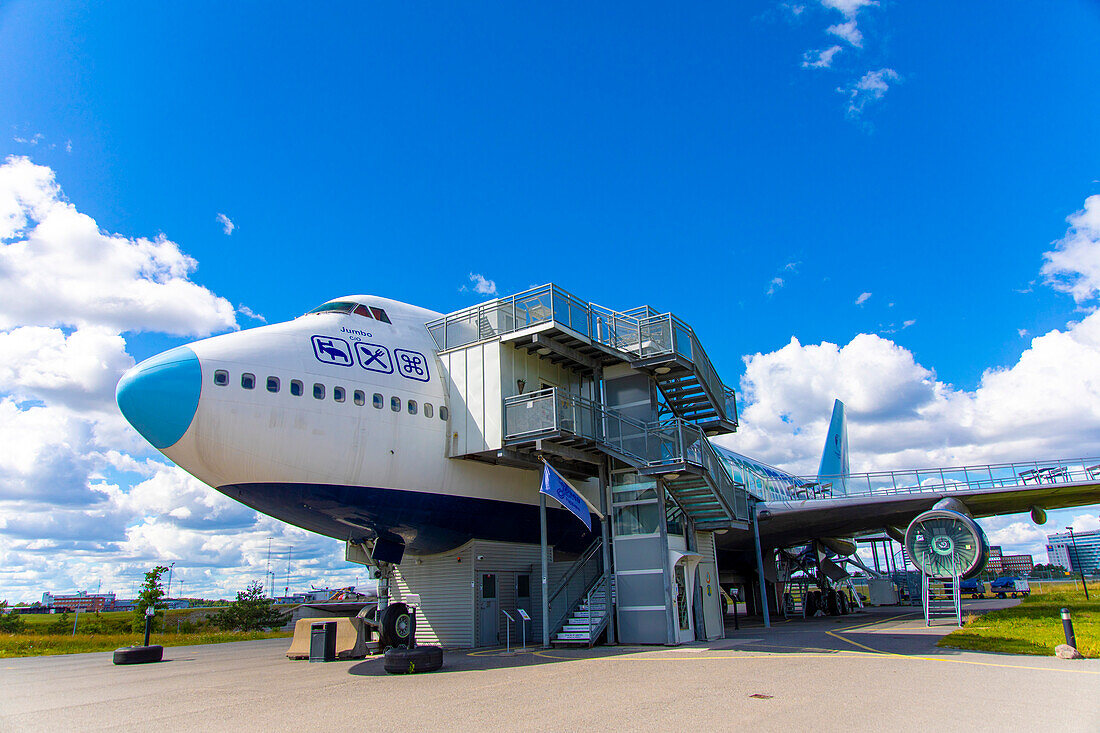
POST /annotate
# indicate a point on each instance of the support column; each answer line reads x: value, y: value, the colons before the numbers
x: 606, y: 527
x: 545, y: 574
x: 760, y: 570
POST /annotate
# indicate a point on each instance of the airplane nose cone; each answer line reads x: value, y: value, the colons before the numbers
x: 159, y: 396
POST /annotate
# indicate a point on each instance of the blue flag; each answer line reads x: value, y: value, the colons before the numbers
x: 553, y: 485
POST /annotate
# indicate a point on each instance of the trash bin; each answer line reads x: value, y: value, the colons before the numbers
x: 322, y: 641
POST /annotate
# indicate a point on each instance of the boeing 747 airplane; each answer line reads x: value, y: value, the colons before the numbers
x: 410, y: 431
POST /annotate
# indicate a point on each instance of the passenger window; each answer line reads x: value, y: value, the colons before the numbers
x: 318, y: 391
x: 395, y: 404
x: 412, y: 407
x: 296, y: 387
x: 377, y: 401
x: 443, y: 412
x: 427, y: 409
x: 360, y: 398
x: 221, y: 377
x: 338, y: 394
x: 272, y: 384
x: 248, y: 381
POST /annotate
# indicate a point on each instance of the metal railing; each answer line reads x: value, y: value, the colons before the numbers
x: 639, y: 333
x: 676, y: 440
x: 955, y: 478
x: 645, y: 445
x: 576, y: 582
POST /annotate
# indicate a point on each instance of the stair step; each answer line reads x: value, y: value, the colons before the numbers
x: 572, y: 636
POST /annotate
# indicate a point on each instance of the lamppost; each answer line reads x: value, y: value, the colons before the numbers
x: 1077, y: 562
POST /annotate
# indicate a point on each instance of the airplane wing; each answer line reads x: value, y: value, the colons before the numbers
x: 788, y: 523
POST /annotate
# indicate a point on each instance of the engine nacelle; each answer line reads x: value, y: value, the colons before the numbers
x: 945, y: 542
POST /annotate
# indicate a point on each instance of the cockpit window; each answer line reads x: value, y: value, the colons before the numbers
x: 340, y: 306
x: 347, y: 306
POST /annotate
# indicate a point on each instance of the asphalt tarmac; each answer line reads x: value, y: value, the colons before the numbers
x: 878, y: 670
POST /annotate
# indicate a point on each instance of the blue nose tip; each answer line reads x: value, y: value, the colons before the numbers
x: 160, y: 395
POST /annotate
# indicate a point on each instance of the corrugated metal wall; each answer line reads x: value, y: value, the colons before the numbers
x: 448, y: 590
x: 446, y: 593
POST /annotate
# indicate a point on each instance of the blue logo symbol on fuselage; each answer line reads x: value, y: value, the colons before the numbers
x: 332, y: 350
x: 412, y: 365
x: 374, y: 358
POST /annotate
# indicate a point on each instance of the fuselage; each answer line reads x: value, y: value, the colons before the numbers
x: 336, y: 422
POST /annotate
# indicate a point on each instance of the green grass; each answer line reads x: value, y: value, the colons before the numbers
x: 1035, y: 625
x: 36, y: 644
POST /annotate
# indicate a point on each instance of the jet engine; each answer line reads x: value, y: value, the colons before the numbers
x: 945, y: 541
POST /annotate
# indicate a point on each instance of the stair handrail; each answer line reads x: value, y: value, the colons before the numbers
x: 592, y: 555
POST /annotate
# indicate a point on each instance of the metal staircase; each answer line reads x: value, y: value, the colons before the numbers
x: 676, y: 449
x: 941, y: 599
x: 590, y: 616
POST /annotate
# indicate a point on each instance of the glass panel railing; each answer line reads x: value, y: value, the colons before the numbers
x: 956, y: 478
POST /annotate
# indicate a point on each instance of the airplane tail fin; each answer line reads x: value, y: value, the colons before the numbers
x: 834, y: 459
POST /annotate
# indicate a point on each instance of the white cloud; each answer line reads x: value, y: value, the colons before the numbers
x: 908, y: 323
x: 821, y: 59
x: 1022, y: 332
x: 863, y: 298
x: 227, y: 224
x: 775, y: 285
x: 57, y: 268
x: 483, y: 286
x: 848, y: 32
x: 244, y: 310
x: 32, y: 140
x: 871, y: 87
x: 79, y: 370
x: 1085, y: 523
x: 1073, y: 266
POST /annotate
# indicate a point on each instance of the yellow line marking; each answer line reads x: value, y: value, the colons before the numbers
x: 881, y: 652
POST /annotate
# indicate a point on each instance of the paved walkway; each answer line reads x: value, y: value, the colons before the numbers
x: 874, y: 671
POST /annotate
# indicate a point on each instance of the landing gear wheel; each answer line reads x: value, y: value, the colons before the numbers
x: 411, y: 661
x: 396, y: 626
x: 845, y: 607
x: 809, y: 605
x: 833, y: 604
x: 138, y: 654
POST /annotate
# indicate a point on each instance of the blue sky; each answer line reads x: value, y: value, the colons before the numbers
x: 706, y: 160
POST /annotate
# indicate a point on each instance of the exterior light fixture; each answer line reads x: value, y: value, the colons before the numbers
x: 672, y: 476
x: 543, y: 351
x: 662, y: 370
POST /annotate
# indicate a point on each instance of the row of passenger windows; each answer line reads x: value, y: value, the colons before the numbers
x: 339, y: 394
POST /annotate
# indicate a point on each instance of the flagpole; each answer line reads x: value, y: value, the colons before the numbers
x: 545, y: 572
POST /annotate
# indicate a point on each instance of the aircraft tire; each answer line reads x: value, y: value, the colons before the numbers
x: 832, y: 604
x: 138, y: 654
x: 845, y: 607
x: 413, y: 661
x: 809, y: 605
x: 395, y: 625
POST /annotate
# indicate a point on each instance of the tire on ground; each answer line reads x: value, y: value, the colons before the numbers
x: 832, y: 603
x: 395, y: 625
x: 138, y: 654
x: 412, y: 661
x: 844, y: 606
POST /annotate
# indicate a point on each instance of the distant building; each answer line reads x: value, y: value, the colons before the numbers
x: 1020, y: 565
x: 81, y: 601
x: 1086, y: 558
x: 994, y: 564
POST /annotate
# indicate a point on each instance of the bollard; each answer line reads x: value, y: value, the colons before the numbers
x: 148, y: 618
x: 1067, y: 626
